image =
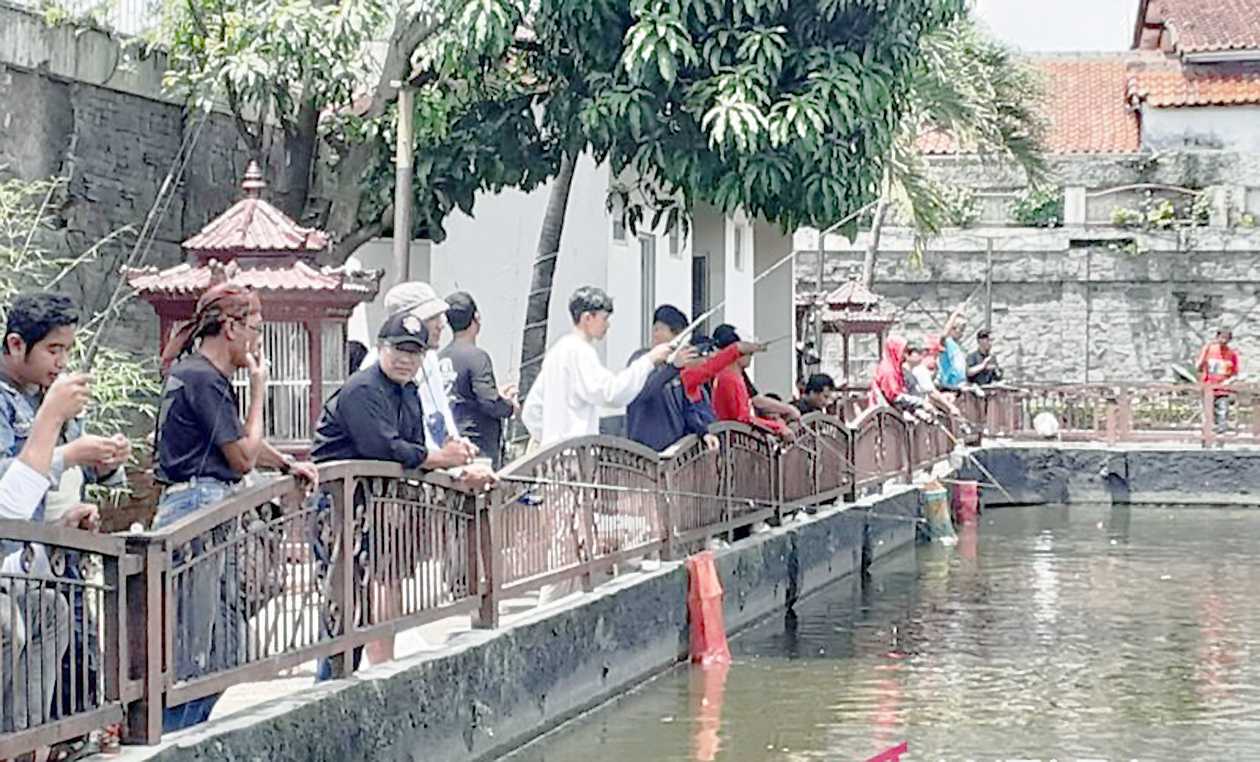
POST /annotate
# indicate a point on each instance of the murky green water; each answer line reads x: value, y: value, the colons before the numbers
x: 1075, y: 633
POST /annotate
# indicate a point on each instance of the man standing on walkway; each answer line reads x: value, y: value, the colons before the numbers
x: 663, y: 412
x: 204, y: 452
x: 573, y: 385
x: 1218, y: 363
x: 477, y: 403
x: 951, y: 371
x: 982, y: 364
x: 731, y: 398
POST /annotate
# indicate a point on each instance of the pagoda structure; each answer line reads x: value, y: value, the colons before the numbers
x: 306, y: 307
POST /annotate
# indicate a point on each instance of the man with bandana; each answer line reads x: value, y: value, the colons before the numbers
x: 204, y: 451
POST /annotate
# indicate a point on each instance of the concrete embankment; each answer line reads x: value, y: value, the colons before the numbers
x: 1071, y: 473
x: 487, y: 692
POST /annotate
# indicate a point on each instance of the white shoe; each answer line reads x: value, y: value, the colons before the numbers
x: 715, y: 544
x: 760, y: 527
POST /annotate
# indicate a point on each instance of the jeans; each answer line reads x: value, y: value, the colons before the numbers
x: 1220, y: 413
x: 209, y: 610
x: 34, y: 623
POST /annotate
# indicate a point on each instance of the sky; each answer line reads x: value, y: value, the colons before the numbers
x: 1060, y: 25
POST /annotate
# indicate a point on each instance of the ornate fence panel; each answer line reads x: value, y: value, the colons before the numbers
x: 749, y: 474
x: 881, y: 446
x: 691, y: 476
x: 835, y: 472
x: 798, y: 466
x: 64, y: 622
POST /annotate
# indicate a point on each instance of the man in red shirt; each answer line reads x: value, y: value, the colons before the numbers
x: 1218, y: 363
x: 731, y: 400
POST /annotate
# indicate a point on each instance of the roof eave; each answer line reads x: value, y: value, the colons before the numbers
x: 1245, y: 55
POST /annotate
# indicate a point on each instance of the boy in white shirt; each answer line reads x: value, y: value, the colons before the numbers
x: 573, y: 385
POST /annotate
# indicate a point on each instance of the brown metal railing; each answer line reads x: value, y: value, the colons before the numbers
x: 269, y: 579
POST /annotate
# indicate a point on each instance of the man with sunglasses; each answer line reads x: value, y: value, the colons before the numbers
x: 204, y: 451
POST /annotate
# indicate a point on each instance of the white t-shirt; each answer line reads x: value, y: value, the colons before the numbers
x: 21, y: 489
x: 572, y: 386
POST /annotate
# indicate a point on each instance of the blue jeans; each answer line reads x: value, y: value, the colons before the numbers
x: 209, y: 612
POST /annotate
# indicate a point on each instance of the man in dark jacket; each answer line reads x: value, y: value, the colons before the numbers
x: 663, y: 412
x: 478, y: 404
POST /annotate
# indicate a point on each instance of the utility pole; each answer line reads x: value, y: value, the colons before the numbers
x: 818, y: 298
x: 403, y: 164
x: 988, y: 283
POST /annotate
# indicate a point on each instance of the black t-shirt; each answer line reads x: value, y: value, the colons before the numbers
x: 478, y: 408
x: 372, y: 418
x: 990, y: 375
x: 198, y: 416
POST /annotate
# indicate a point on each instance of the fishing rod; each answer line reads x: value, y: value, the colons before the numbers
x: 984, y: 471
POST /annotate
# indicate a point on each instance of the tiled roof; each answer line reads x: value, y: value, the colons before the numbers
x: 852, y: 294
x: 1085, y: 107
x: 1207, y: 26
x: 253, y: 226
x: 187, y: 280
x: 1190, y: 86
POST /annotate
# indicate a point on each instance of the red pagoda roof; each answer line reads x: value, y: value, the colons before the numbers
x: 253, y: 227
x: 189, y: 281
x: 852, y: 295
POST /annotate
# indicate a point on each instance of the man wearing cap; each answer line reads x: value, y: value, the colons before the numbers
x: 204, y: 451
x: 731, y: 399
x: 478, y: 404
x: 572, y: 385
x: 378, y: 415
x: 663, y: 413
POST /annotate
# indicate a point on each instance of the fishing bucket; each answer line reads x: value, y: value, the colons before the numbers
x: 940, y: 526
x: 966, y: 501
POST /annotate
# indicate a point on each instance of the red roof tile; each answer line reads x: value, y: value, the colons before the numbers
x: 851, y: 294
x: 187, y: 280
x: 1188, y: 86
x: 252, y: 226
x: 1207, y: 26
x: 1085, y: 107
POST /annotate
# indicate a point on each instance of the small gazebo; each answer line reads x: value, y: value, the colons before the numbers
x: 305, y: 306
x: 854, y: 310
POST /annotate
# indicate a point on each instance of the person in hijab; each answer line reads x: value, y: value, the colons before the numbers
x: 888, y: 387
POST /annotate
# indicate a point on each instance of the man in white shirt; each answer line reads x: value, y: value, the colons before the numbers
x: 572, y: 385
x: 35, y: 633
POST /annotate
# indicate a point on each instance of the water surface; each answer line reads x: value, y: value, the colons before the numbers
x: 1089, y: 632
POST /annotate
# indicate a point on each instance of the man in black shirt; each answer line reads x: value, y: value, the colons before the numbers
x: 982, y: 366
x: 203, y: 453
x: 478, y: 404
x: 820, y: 389
x: 377, y: 415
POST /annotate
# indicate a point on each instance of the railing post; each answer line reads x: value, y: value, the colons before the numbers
x: 1209, y: 417
x: 850, y: 454
x: 143, y: 597
x: 1126, y: 414
x: 665, y: 511
x: 777, y: 464
x: 341, y: 586
x: 485, y: 562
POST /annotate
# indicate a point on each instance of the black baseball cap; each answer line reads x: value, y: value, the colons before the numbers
x: 984, y: 333
x: 462, y: 310
x: 405, y: 331
x: 819, y: 382
x: 701, y: 343
x: 724, y: 336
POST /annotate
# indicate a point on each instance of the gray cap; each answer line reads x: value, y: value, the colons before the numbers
x: 417, y: 298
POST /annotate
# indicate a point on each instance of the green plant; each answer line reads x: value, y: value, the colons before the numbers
x: 1247, y: 220
x: 1161, y: 215
x: 1201, y: 208
x: 1038, y: 206
x: 960, y: 205
x: 123, y: 387
x: 1127, y: 218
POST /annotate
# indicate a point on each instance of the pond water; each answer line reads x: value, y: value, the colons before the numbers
x: 1081, y: 633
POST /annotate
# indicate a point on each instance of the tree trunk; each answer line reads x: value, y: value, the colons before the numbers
x: 301, y: 141
x: 534, y: 337
x: 872, y: 248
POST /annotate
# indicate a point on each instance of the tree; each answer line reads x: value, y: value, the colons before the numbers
x: 970, y: 87
x: 781, y: 108
x: 313, y: 98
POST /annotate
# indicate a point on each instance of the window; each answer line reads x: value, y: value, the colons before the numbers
x: 739, y: 248
x: 647, y: 285
x: 675, y: 240
x: 700, y: 289
x: 618, y: 228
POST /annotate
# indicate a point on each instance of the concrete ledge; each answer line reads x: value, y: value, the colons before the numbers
x: 1069, y: 473
x: 488, y: 692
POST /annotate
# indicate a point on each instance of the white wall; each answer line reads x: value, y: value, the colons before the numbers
x: 775, y: 297
x: 1216, y: 127
x: 491, y: 255
x: 709, y: 237
x: 737, y: 287
x: 378, y: 254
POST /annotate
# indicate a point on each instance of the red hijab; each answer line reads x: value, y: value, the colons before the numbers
x: 890, y: 379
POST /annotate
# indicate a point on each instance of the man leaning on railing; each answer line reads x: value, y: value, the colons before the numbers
x: 35, y: 623
x: 1218, y: 365
x: 204, y: 452
x: 378, y: 415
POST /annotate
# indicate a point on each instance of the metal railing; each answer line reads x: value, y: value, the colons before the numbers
x: 268, y: 579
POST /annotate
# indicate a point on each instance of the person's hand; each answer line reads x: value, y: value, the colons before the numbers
x: 306, y: 473
x: 509, y: 392
x: 82, y: 516
x: 122, y: 453
x: 660, y: 353
x: 792, y: 413
x: 750, y: 347
x: 684, y: 356
x: 91, y: 450
x: 478, y: 477
x: 788, y: 436
x: 470, y: 450
x: 452, y: 454
x: 711, y: 441
x: 68, y: 395
x: 257, y: 366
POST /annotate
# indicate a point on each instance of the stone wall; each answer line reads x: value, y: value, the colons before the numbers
x: 1090, y: 302
x: 115, y: 143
